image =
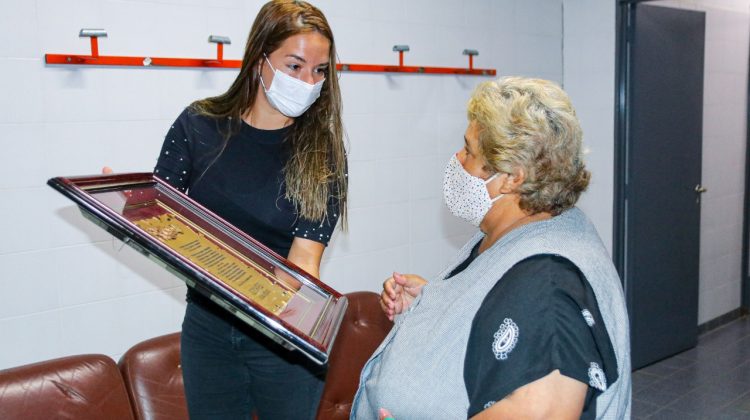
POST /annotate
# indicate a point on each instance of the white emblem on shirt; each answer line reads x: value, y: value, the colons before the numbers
x: 489, y: 404
x: 596, y: 377
x: 588, y: 317
x: 506, y: 338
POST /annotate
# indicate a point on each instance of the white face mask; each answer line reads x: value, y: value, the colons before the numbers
x: 466, y: 195
x: 289, y: 95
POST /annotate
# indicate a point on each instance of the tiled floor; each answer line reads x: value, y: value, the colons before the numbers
x: 710, y: 381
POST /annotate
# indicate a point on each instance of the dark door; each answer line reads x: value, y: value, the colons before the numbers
x: 663, y: 170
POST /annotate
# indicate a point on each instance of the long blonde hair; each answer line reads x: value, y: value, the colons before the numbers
x: 316, y: 169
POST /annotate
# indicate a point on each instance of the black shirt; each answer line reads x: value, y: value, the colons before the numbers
x: 243, y: 183
x: 542, y: 315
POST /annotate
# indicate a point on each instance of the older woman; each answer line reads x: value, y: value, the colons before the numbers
x: 529, y: 321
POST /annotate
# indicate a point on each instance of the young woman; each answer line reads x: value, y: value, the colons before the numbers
x: 268, y: 156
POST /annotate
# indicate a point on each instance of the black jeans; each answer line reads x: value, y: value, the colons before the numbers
x: 231, y: 370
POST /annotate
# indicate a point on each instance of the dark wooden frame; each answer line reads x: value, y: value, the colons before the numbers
x: 328, y: 311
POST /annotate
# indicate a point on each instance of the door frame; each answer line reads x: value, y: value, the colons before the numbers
x: 745, y: 304
x: 625, y: 12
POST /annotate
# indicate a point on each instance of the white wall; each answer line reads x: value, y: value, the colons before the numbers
x: 68, y: 287
x: 403, y: 129
x: 589, y: 79
x: 724, y: 143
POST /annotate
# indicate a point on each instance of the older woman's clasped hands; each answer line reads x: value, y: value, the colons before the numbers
x: 399, y: 291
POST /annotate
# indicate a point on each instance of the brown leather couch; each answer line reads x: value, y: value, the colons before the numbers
x: 147, y: 384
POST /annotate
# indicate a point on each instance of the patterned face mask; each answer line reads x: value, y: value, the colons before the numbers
x: 466, y: 195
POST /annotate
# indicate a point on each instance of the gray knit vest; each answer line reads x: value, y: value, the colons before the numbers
x: 417, y: 372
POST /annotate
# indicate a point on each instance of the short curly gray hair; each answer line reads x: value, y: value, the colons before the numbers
x: 530, y: 124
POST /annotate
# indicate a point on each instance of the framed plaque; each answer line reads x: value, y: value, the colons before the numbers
x: 215, y: 258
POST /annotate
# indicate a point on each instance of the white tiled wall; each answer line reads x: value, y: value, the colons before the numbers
x: 724, y: 143
x: 67, y: 287
x: 589, y: 79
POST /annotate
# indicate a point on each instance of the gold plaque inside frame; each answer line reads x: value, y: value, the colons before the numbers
x: 239, y: 273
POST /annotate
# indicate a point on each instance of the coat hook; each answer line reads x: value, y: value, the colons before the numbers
x: 471, y: 54
x: 401, y: 49
x: 219, y: 40
x: 94, y: 34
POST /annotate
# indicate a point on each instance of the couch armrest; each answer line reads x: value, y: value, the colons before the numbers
x: 153, y: 377
x: 362, y: 330
x: 75, y: 387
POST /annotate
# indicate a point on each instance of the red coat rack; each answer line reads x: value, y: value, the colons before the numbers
x: 94, y: 59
